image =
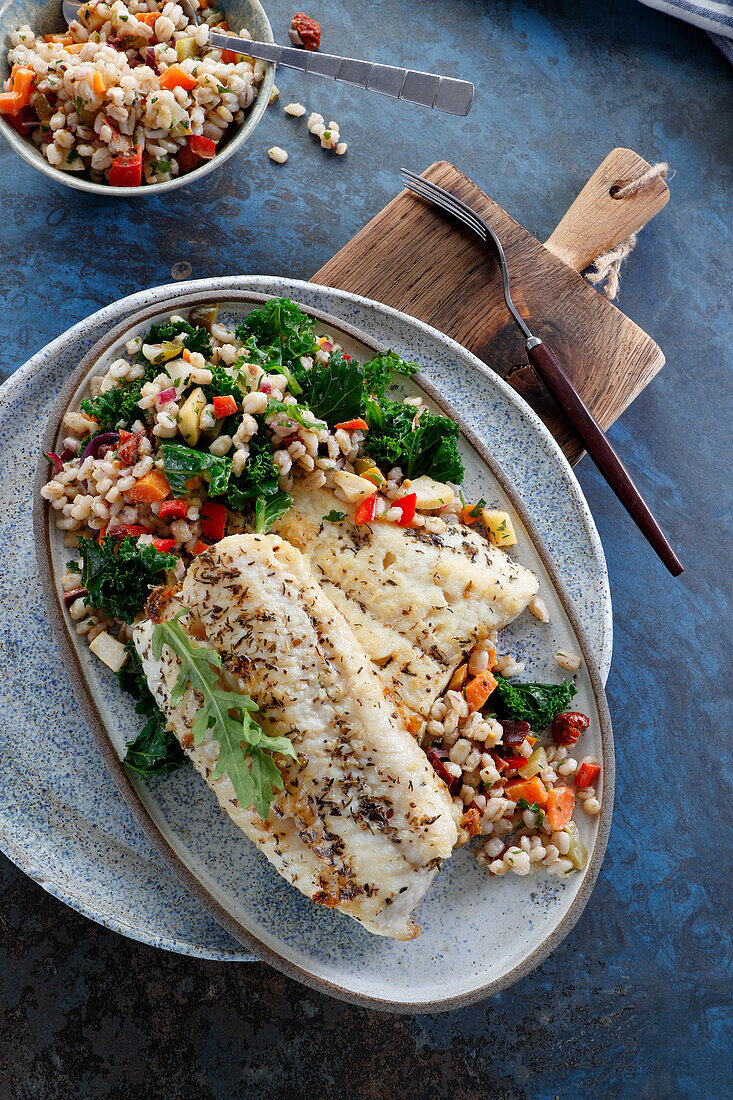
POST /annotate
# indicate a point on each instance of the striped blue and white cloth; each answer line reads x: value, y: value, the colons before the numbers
x: 712, y: 16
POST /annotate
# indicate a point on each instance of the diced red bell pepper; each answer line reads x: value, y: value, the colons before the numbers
x: 224, y: 406
x: 214, y: 521
x: 127, y: 170
x: 127, y: 446
x: 187, y: 161
x: 407, y: 506
x: 366, y: 511
x: 229, y: 57
x: 202, y: 146
x: 587, y: 774
x: 164, y: 546
x: 24, y: 122
x: 122, y: 530
x: 451, y: 781
x: 173, y: 509
x: 353, y: 425
x: 200, y: 547
x: 511, y: 763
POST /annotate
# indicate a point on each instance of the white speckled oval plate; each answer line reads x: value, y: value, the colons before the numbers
x: 65, y: 824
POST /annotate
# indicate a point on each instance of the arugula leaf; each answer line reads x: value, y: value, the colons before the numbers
x: 260, y: 476
x: 534, y: 703
x: 118, y: 575
x: 155, y: 750
x: 334, y: 517
x: 429, y: 448
x: 116, y: 407
x: 269, y: 510
x: 378, y: 372
x: 181, y: 463
x: 244, y: 750
x: 334, y: 391
x: 195, y: 339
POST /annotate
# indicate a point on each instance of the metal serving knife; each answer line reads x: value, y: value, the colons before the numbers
x: 442, y: 93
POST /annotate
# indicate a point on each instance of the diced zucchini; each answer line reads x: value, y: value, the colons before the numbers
x: 536, y: 763
x: 354, y: 488
x: 577, y: 853
x: 185, y: 47
x: 188, y: 418
x: 499, y: 527
x: 109, y: 650
x: 430, y: 493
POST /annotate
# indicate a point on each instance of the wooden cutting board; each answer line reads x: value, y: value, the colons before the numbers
x: 415, y: 259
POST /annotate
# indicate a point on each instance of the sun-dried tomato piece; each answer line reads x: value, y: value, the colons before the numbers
x: 568, y: 726
x: 307, y: 30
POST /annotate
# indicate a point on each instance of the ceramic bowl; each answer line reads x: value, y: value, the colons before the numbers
x: 45, y: 16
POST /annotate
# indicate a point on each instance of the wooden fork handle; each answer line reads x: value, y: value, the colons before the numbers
x: 601, y: 451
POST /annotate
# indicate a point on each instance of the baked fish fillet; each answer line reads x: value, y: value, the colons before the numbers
x: 363, y: 821
x: 417, y: 602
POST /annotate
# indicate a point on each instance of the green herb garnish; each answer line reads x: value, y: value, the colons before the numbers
x: 115, y: 408
x: 523, y: 804
x: 245, y: 752
x: 334, y: 517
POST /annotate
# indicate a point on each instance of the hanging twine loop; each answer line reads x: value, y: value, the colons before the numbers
x: 605, y: 271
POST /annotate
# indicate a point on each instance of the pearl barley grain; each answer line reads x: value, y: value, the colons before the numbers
x: 295, y: 110
x: 277, y: 154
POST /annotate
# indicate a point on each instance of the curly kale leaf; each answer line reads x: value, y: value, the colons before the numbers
x: 116, y: 408
x: 534, y: 703
x: 155, y: 750
x: 431, y: 447
x: 118, y: 575
x: 181, y: 463
x: 334, y: 391
x: 282, y: 333
x: 260, y: 477
x: 379, y: 372
x: 269, y: 509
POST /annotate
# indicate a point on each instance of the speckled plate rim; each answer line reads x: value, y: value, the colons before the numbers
x: 27, y: 150
x: 59, y: 625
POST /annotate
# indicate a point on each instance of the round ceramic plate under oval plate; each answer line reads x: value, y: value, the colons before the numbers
x: 63, y: 823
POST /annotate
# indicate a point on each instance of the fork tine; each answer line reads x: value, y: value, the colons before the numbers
x: 445, y: 201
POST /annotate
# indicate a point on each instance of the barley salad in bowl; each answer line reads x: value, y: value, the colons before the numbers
x: 130, y: 98
x: 269, y: 544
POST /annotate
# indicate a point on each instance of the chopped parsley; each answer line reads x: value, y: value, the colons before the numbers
x: 523, y: 804
x: 334, y: 517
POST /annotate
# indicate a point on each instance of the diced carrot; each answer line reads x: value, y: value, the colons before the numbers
x: 200, y: 547
x: 560, y: 805
x: 466, y: 514
x: 479, y: 689
x: 176, y: 77
x: 352, y: 425
x: 98, y: 85
x: 154, y: 486
x: 229, y: 57
x: 75, y: 47
x: 186, y: 355
x: 148, y: 18
x: 64, y: 39
x: 10, y: 103
x: 224, y: 406
x: 533, y: 790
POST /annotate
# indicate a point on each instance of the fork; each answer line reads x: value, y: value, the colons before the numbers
x: 556, y: 380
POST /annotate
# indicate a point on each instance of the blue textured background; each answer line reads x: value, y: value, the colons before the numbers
x: 637, y: 1002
